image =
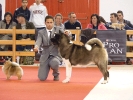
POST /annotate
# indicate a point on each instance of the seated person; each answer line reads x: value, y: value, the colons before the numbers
x: 95, y: 23
x: 115, y: 24
x: 129, y: 38
x: 72, y: 22
x: 24, y: 24
x: 122, y: 20
x: 102, y: 20
x: 58, y: 20
x: 7, y: 23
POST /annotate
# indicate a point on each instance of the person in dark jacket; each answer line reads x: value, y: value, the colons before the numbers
x: 0, y: 12
x: 72, y: 22
x: 23, y: 9
x: 122, y: 20
x: 24, y: 24
x: 127, y: 23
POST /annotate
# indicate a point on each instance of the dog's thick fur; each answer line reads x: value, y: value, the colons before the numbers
x: 92, y: 51
x: 12, y: 69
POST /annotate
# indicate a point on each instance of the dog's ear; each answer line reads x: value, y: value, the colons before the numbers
x: 57, y: 36
x: 55, y: 39
x: 60, y: 31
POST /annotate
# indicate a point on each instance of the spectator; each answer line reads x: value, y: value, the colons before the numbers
x: 102, y: 20
x: 7, y: 23
x: 72, y: 22
x: 95, y: 23
x: 38, y: 13
x: 58, y: 20
x: 24, y: 24
x: 122, y: 20
x: 23, y: 9
x: 0, y: 12
x: 113, y: 19
x: 129, y: 38
x: 114, y: 24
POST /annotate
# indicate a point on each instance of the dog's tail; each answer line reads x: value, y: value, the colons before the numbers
x: 14, y: 64
x: 93, y: 41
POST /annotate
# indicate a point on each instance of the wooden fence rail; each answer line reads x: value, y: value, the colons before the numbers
x: 15, y: 42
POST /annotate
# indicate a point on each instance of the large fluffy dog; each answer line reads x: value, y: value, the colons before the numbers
x: 92, y: 51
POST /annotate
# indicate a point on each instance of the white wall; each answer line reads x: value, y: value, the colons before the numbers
x: 3, y: 7
x: 110, y: 6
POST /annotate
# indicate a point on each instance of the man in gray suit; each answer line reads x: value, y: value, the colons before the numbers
x: 50, y: 57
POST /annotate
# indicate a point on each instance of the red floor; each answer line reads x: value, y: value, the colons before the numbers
x: 30, y: 88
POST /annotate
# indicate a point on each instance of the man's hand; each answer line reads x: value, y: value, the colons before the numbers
x: 35, y: 49
x: 67, y: 32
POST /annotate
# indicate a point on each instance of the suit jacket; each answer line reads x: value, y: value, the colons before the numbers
x: 48, y: 47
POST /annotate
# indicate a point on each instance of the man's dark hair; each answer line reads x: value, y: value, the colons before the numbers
x: 70, y: 14
x: 115, y: 14
x: 49, y: 17
x: 24, y: 0
x: 119, y: 11
x: 98, y: 19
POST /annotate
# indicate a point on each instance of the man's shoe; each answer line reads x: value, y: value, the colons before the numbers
x: 56, y: 78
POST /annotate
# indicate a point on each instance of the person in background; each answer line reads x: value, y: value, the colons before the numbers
x: 24, y: 24
x: 58, y: 20
x: 0, y: 12
x: 95, y: 23
x: 7, y: 23
x: 129, y: 38
x: 114, y: 22
x: 23, y: 9
x: 122, y: 20
x: 102, y: 20
x: 37, y: 17
x: 72, y: 22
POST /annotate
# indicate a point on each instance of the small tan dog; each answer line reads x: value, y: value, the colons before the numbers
x: 12, y: 69
x: 119, y: 26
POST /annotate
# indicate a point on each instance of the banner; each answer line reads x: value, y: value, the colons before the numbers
x: 115, y: 43
x: 2, y: 9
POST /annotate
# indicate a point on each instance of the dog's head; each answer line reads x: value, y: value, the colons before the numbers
x: 7, y: 63
x: 60, y: 38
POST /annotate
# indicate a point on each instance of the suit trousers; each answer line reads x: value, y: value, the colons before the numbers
x: 44, y: 68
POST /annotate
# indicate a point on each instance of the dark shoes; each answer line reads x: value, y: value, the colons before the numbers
x: 56, y: 78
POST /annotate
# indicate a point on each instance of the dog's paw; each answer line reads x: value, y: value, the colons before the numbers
x: 65, y: 81
x: 107, y: 78
x: 104, y: 82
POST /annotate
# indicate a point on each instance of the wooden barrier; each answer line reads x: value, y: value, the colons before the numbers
x: 128, y: 43
x: 15, y: 42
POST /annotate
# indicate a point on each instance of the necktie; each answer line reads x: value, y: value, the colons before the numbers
x: 49, y: 37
